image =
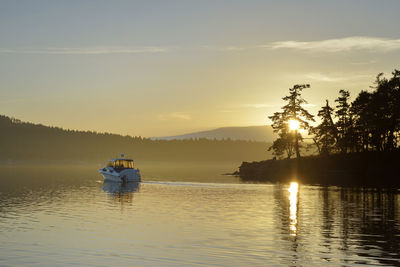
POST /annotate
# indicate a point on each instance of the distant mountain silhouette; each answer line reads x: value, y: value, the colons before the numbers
x: 249, y: 133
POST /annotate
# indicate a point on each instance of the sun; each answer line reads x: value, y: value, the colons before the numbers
x: 293, y: 125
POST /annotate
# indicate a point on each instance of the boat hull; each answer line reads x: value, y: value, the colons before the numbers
x: 127, y: 175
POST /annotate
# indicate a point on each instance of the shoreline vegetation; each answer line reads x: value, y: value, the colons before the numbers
x: 358, y: 142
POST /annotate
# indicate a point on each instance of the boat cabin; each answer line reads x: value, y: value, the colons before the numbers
x: 120, y: 163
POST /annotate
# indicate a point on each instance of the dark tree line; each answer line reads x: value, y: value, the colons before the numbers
x: 369, y: 123
x: 28, y: 141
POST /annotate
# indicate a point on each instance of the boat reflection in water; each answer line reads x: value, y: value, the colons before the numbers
x: 293, y: 199
x: 120, y: 188
x: 121, y: 192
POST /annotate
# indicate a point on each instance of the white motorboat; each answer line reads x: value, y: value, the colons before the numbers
x: 121, y: 170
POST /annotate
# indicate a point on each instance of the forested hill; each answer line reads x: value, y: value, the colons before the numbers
x: 28, y: 141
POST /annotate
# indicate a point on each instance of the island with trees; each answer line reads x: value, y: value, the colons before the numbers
x: 356, y: 143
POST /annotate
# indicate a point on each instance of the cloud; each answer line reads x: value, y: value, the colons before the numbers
x: 86, y: 50
x: 321, y: 77
x: 329, y: 45
x: 270, y: 105
x: 364, y: 62
x: 260, y: 105
x: 329, y: 78
x: 174, y: 116
x: 340, y: 44
x: 229, y: 48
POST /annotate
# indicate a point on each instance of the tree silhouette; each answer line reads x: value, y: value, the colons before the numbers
x: 284, y: 145
x: 386, y: 104
x: 376, y: 115
x: 344, y: 123
x: 362, y: 118
x: 293, y: 110
x: 326, y: 132
x: 370, y: 123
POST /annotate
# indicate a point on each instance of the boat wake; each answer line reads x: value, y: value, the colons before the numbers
x: 199, y: 184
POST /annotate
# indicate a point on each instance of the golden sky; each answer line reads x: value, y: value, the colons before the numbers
x: 158, y: 68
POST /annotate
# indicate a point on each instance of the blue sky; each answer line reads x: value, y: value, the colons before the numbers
x: 156, y: 68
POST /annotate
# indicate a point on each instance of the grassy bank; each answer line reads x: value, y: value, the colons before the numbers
x: 362, y: 169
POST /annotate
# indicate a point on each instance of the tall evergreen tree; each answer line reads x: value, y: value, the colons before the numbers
x: 344, y: 122
x: 292, y: 111
x: 326, y: 132
x: 394, y: 129
x: 386, y: 102
x: 363, y: 120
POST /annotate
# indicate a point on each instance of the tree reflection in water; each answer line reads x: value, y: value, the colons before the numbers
x: 338, y: 224
x: 370, y: 220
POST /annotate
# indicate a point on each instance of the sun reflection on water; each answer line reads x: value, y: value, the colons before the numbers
x: 293, y: 190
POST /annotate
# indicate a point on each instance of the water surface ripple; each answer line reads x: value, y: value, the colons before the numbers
x: 86, y: 222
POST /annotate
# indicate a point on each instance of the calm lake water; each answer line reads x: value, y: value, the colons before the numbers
x: 66, y: 215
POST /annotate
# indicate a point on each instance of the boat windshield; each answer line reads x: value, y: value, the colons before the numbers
x: 121, y: 164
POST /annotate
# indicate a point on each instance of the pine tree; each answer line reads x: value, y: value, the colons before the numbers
x: 363, y: 120
x: 344, y: 123
x: 325, y: 132
x: 292, y: 111
x: 385, y: 112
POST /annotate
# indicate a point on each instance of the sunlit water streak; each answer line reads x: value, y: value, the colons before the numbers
x: 293, y: 190
x: 165, y: 223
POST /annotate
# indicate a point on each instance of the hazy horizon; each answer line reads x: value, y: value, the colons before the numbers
x: 178, y: 134
x: 168, y: 68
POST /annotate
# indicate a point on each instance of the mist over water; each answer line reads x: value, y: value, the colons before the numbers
x: 59, y: 215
